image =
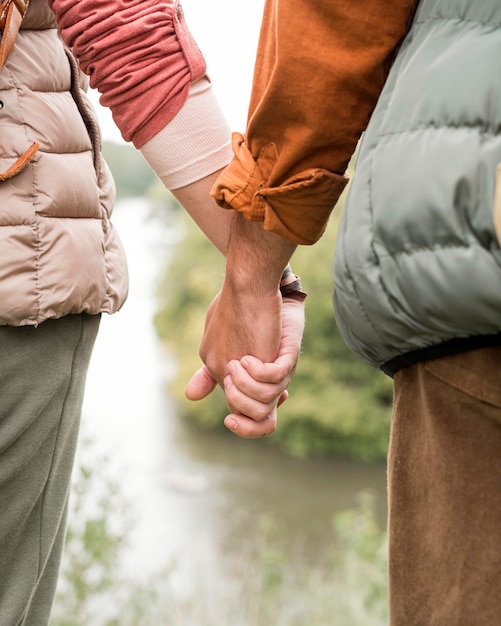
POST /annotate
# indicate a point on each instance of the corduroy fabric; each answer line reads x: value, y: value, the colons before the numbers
x: 444, y: 474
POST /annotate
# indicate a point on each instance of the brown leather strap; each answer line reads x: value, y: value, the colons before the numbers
x: 21, y: 162
x: 11, y: 17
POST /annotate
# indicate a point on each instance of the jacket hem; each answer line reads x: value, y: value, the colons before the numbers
x: 447, y: 348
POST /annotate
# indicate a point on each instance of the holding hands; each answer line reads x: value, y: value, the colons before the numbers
x: 254, y: 387
x: 252, y: 334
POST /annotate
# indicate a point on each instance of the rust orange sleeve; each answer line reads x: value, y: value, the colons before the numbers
x: 319, y: 70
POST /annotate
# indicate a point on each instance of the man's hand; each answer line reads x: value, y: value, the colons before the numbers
x: 238, y: 323
x: 255, y: 389
x: 248, y: 317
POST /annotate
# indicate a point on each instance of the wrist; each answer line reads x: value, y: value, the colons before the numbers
x: 256, y: 259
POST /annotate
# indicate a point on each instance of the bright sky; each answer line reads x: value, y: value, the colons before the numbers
x: 227, y: 33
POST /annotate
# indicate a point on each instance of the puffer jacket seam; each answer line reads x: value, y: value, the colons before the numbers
x: 107, y: 296
x: 456, y: 18
x: 480, y: 130
x: 434, y: 248
x: 34, y: 194
x: 37, y: 272
x: 86, y: 112
x: 19, y: 93
x: 38, y: 245
x: 376, y: 257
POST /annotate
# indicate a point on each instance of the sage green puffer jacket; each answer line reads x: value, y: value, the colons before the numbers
x: 417, y: 266
x: 59, y: 252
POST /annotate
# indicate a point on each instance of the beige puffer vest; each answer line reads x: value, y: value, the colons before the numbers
x: 59, y: 253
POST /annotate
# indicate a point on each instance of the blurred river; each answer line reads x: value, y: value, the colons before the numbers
x: 195, y: 494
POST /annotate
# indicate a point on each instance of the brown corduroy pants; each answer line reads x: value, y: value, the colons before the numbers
x: 444, y: 476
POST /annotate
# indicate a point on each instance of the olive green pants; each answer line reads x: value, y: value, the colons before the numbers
x: 445, y: 492
x: 42, y: 378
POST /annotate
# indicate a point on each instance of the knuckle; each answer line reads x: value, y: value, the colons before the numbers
x: 266, y: 396
x: 261, y: 413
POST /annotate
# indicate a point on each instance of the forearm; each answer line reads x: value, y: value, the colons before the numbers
x: 213, y: 221
x: 189, y: 153
x: 256, y: 259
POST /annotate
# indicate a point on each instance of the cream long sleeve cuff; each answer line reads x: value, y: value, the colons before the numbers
x: 194, y: 144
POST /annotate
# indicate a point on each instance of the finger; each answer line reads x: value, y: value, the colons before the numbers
x: 241, y: 385
x: 242, y: 403
x: 200, y: 385
x: 275, y: 373
x: 246, y: 427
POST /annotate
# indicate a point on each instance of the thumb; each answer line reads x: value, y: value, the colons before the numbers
x: 200, y: 385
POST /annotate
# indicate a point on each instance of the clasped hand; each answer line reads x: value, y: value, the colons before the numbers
x: 250, y: 347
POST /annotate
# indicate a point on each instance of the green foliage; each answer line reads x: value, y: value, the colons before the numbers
x: 92, y: 588
x: 267, y: 580
x: 363, y: 558
x: 338, y: 405
x: 92, y: 547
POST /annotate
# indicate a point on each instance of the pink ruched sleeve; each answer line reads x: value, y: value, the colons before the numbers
x: 139, y: 54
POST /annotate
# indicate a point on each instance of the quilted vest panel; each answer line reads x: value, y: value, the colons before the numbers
x: 417, y: 262
x: 60, y: 253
